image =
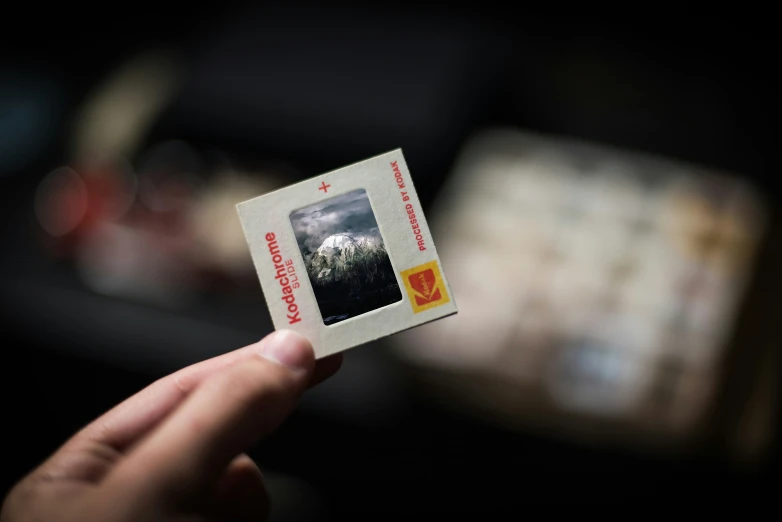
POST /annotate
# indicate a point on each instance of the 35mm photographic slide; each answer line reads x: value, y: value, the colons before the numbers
x: 347, y: 257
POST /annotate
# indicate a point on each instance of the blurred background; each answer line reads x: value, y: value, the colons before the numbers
x: 602, y: 196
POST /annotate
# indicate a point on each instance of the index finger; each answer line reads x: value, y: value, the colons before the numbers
x: 124, y: 424
x: 223, y: 417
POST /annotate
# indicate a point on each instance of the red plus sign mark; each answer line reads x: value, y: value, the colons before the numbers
x: 324, y: 187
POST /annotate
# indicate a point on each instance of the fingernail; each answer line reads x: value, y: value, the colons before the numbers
x: 289, y: 349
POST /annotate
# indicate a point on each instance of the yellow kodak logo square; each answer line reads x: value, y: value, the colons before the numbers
x: 425, y: 286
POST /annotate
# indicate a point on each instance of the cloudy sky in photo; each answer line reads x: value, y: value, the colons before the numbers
x: 349, y: 213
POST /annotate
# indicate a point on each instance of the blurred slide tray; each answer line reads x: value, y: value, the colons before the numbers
x: 347, y: 257
x: 620, y: 297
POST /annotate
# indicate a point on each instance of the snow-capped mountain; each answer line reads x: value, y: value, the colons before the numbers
x: 341, y: 244
x: 340, y: 254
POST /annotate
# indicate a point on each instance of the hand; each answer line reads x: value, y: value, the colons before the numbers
x: 174, y: 451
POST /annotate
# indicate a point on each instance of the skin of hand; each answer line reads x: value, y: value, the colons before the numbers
x: 175, y: 450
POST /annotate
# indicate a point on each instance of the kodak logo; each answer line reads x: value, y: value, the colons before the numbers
x: 425, y: 287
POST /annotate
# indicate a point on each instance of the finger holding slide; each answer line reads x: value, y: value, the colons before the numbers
x: 224, y: 416
x: 132, y: 419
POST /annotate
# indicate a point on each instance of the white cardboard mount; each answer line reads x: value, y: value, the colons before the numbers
x: 426, y: 295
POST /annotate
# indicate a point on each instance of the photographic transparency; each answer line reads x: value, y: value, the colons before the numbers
x: 345, y: 256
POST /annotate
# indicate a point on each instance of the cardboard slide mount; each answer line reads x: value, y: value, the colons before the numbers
x: 282, y: 270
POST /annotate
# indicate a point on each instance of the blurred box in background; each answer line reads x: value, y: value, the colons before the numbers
x: 598, y: 289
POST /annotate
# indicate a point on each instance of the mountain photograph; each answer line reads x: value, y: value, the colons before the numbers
x: 347, y: 262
